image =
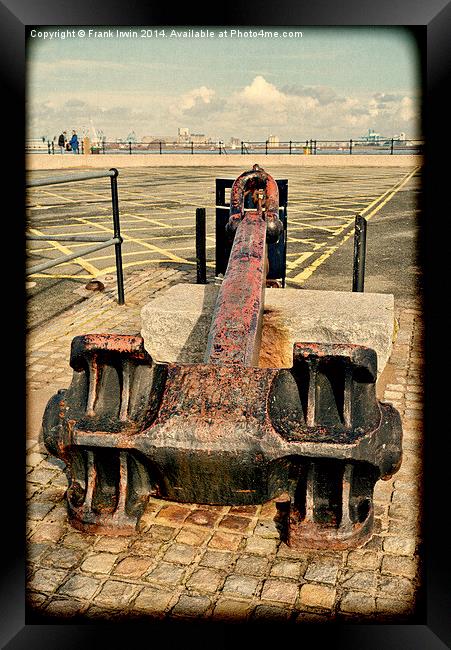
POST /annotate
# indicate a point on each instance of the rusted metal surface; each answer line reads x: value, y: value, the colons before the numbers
x: 264, y: 192
x: 313, y: 436
x: 235, y: 333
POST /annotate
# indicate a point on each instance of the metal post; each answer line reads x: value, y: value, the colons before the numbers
x: 201, y: 243
x: 160, y: 148
x: 130, y: 148
x: 192, y: 147
x: 220, y: 151
x: 242, y: 150
x: 314, y: 147
x: 358, y: 271
x: 53, y: 147
x: 266, y: 147
x: 103, y: 146
x: 391, y: 149
x: 48, y: 147
x: 350, y: 147
x: 290, y: 147
x: 117, y: 233
x: 82, y: 147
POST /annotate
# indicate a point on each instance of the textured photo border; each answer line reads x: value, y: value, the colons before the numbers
x: 433, y: 19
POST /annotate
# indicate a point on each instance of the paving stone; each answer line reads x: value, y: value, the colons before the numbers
x: 317, y: 596
x: 251, y: 565
x: 267, y: 529
x: 271, y: 613
x: 394, y: 586
x: 235, y: 522
x: 35, y: 600
x: 280, y: 591
x: 99, y: 563
x: 399, y: 565
x: 133, y: 566
x: 174, y: 513
x: 205, y: 579
x: 47, y: 580
x: 322, y: 572
x: 169, y: 574
x: 78, y: 540
x: 35, y: 550
x: 394, y: 606
x: 239, y: 585
x: 116, y: 593
x: 39, y: 509
x: 111, y: 544
x: 65, y: 608
x: 191, y: 606
x: 358, y: 580
x: 51, y: 532
x: 180, y: 554
x: 363, y: 560
x: 356, y: 602
x: 246, y: 511
x: 193, y: 537
x: 225, y: 541
x: 216, y: 559
x: 61, y: 557
x: 80, y: 587
x: 152, y: 599
x: 400, y: 545
x: 287, y: 569
x: 203, y: 517
x: 261, y: 545
x: 161, y: 533
x: 228, y: 609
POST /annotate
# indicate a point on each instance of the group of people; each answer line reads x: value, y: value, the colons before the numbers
x: 68, y: 145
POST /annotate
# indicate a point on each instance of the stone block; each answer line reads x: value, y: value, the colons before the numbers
x: 175, y: 325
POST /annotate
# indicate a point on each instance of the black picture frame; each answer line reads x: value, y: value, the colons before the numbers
x: 432, y: 23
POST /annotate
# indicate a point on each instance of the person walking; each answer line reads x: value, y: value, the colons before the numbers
x: 74, y: 142
x: 62, y: 142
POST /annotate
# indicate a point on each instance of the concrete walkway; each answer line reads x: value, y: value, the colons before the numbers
x: 205, y: 562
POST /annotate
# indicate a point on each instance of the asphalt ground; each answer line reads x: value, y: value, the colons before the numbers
x: 157, y: 214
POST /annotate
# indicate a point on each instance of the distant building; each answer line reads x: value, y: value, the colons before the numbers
x: 372, y: 137
x: 158, y: 138
x: 235, y: 142
x: 273, y: 141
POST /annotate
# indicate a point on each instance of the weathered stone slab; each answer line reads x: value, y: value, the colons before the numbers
x: 175, y: 324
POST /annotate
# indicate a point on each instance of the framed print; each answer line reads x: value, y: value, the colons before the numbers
x: 147, y: 118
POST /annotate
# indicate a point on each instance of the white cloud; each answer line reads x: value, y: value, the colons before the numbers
x: 253, y: 112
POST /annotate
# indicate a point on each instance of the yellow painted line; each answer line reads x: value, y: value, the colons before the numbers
x: 61, y: 276
x: 64, y: 249
x: 323, y: 216
x: 59, y: 196
x: 141, y: 218
x: 306, y: 273
x: 303, y: 226
x: 302, y: 257
x: 141, y: 243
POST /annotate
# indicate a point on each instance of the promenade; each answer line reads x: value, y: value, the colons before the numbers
x: 191, y: 562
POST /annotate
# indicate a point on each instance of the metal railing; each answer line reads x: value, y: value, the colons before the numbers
x: 101, y: 242
x: 291, y: 147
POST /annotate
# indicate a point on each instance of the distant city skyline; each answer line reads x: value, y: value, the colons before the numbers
x: 331, y: 83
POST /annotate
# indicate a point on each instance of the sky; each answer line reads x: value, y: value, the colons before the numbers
x: 329, y: 83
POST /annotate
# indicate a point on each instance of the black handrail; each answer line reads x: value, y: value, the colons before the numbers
x: 102, y: 242
x: 312, y: 146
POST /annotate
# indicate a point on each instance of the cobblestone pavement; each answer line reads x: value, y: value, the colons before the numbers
x: 217, y: 563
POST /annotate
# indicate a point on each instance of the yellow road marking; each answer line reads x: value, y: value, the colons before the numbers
x: 162, y: 251
x: 306, y: 273
x: 64, y: 249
